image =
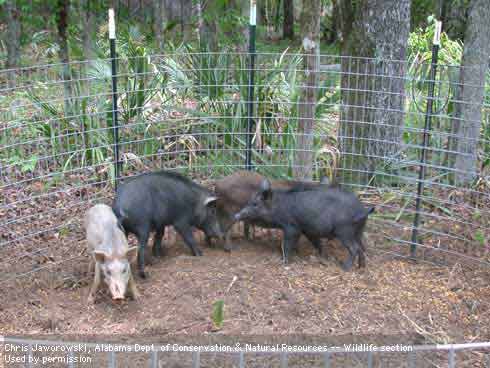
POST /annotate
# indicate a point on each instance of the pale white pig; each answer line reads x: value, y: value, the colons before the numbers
x: 110, y: 252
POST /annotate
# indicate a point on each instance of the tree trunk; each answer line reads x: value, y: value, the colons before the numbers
x: 88, y: 27
x: 208, y: 35
x: 12, y: 39
x: 277, y: 15
x: 455, y: 18
x: 372, y: 84
x: 158, y: 8
x: 310, y: 24
x: 62, y: 24
x: 468, y: 110
x: 335, y: 22
x: 288, y: 23
x: 245, y: 13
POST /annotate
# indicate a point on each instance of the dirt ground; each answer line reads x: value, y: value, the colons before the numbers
x: 262, y: 296
x: 392, y: 297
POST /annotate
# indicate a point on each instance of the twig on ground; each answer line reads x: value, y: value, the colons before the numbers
x: 231, y: 284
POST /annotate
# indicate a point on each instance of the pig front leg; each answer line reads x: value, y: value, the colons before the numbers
x: 95, y: 284
x: 362, y: 257
x: 228, y: 246
x: 352, y: 247
x: 186, y: 232
x: 142, y: 236
x: 133, y: 291
x: 228, y: 226
x: 157, y: 249
x: 91, y: 266
x: 290, y: 239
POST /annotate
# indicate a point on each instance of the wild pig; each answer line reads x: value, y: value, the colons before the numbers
x: 236, y: 190
x: 109, y: 252
x: 330, y: 213
x: 151, y: 201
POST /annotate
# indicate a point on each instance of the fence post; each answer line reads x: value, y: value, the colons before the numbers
x: 112, y: 360
x: 251, y: 77
x: 196, y: 359
x: 451, y: 360
x: 115, y: 123
x: 427, y: 127
x: 71, y: 362
x: 154, y: 359
x: 250, y: 93
x: 326, y: 360
x: 29, y: 356
x: 241, y: 360
x: 284, y: 360
x: 370, y: 359
x: 412, y: 359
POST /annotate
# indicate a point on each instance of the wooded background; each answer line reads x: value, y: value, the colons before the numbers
x: 35, y: 31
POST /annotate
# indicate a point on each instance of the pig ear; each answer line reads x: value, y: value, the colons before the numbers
x: 132, y: 253
x: 265, y: 189
x: 210, y: 201
x: 100, y: 256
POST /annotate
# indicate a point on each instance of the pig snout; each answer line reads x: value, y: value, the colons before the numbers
x: 239, y: 216
x: 117, y: 291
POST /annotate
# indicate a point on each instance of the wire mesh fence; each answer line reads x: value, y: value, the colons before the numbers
x: 143, y: 354
x: 187, y: 111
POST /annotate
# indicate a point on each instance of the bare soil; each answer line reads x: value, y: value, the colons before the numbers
x: 310, y: 296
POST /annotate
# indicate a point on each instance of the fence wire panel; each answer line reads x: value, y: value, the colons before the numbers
x: 65, y: 354
x: 361, y: 124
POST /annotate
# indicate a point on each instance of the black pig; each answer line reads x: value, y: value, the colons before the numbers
x: 152, y: 201
x: 330, y: 213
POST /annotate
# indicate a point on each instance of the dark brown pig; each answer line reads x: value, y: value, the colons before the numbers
x: 236, y: 190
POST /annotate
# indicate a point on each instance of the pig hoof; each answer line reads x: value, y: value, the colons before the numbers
x: 347, y: 266
x: 158, y: 252
x: 228, y: 248
x: 198, y: 253
x: 143, y: 274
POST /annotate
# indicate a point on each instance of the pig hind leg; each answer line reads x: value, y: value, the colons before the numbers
x: 317, y: 243
x: 158, y: 250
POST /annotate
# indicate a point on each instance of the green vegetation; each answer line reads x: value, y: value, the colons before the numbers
x: 188, y: 110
